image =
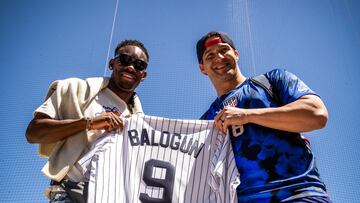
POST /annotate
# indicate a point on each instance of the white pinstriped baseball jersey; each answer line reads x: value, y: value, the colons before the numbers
x: 157, y: 159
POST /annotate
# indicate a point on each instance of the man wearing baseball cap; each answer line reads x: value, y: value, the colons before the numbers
x: 264, y: 120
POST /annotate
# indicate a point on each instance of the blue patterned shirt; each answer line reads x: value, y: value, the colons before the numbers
x: 274, y: 165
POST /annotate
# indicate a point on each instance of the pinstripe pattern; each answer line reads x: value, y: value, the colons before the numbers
x: 190, y: 159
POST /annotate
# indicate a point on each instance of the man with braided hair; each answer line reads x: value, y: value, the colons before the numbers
x: 76, y: 112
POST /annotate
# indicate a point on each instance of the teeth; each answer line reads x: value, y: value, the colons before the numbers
x: 128, y: 75
x: 221, y: 67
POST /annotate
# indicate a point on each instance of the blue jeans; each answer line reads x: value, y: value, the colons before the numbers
x: 59, y: 197
x: 73, y: 192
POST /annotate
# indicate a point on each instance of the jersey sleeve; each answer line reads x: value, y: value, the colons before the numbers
x: 287, y: 86
x: 48, y: 107
x: 224, y: 174
x: 88, y: 161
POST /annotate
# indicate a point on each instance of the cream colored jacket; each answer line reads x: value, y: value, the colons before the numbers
x: 73, y: 95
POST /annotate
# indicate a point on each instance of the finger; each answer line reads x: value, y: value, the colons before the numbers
x: 217, y: 122
x: 113, y: 124
x: 104, y: 121
x: 113, y: 120
x: 109, y: 122
x: 216, y: 119
x: 218, y: 116
x: 103, y: 114
x: 119, y: 124
x: 117, y: 120
x: 106, y: 117
x: 107, y: 128
x: 225, y: 126
x: 220, y: 124
x: 224, y: 115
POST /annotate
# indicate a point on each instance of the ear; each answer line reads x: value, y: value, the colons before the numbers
x: 143, y: 76
x: 111, y: 63
x: 202, y: 68
x: 236, y: 54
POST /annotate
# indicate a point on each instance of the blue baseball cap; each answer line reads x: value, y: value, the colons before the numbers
x: 201, y: 45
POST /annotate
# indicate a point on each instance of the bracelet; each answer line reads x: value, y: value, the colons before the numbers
x: 88, y: 123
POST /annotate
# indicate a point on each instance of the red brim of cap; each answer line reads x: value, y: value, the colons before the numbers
x: 213, y: 41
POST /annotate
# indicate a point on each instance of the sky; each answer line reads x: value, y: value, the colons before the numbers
x: 45, y: 40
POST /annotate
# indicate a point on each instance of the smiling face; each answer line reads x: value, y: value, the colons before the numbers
x: 219, y: 62
x: 125, y: 77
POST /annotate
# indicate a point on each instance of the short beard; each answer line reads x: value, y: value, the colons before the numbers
x: 120, y: 87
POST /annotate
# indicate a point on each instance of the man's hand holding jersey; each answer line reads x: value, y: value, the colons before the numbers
x: 108, y: 121
x: 230, y: 116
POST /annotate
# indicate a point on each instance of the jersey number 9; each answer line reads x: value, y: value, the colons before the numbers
x: 167, y: 183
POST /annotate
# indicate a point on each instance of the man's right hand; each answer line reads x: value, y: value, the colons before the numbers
x: 43, y: 129
x: 108, y: 121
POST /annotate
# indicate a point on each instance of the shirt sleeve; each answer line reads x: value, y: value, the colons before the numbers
x: 48, y: 107
x: 287, y: 86
x: 224, y: 174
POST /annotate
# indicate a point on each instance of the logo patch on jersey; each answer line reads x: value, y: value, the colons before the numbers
x: 109, y: 109
x: 232, y: 101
